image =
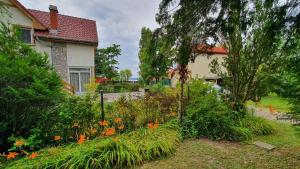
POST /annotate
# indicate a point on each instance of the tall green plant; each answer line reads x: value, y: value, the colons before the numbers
x: 29, y: 86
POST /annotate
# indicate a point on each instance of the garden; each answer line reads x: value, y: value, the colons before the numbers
x: 192, y: 125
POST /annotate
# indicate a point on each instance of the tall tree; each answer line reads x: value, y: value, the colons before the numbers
x: 252, y: 31
x: 155, y: 55
x: 106, y: 61
x: 125, y: 74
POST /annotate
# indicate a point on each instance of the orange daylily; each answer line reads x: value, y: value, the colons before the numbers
x: 109, y: 132
x: 19, y: 143
x: 81, y: 139
x: 33, y: 155
x: 56, y: 138
x: 11, y: 155
x: 150, y: 125
x: 103, y: 123
x: 118, y: 120
x: 155, y: 126
x: 121, y: 127
x: 93, y: 130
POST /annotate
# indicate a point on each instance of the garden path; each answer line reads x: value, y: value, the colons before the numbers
x: 110, y: 97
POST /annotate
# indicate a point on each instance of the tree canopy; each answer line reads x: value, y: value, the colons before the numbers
x: 125, y: 74
x: 106, y: 61
x: 254, y: 33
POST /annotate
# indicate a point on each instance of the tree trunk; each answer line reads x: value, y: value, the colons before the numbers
x: 180, y: 106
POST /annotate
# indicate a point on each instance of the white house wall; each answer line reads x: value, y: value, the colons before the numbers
x: 201, y: 69
x: 18, y: 17
x: 80, y: 55
x: 44, y: 47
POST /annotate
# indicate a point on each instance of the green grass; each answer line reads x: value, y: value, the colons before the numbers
x: 206, y: 154
x: 127, y: 150
x: 277, y: 102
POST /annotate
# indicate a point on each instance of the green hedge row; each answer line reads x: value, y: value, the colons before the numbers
x: 127, y: 150
x: 118, y: 88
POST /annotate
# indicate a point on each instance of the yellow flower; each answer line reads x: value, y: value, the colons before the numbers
x: 19, y: 143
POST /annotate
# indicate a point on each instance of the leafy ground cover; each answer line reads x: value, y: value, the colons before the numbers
x: 125, y: 150
x: 203, y: 153
x: 277, y: 102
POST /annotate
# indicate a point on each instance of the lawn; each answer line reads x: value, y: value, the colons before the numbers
x: 203, y: 153
x: 277, y: 102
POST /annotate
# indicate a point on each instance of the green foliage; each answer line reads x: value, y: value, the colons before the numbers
x: 208, y: 116
x: 125, y: 74
x: 253, y: 32
x: 155, y: 56
x: 29, y: 86
x: 119, y: 87
x: 127, y: 150
x: 105, y: 61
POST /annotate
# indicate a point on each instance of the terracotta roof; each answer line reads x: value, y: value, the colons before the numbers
x: 211, y: 50
x: 69, y: 28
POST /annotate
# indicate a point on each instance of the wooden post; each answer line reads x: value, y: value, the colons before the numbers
x: 102, y: 105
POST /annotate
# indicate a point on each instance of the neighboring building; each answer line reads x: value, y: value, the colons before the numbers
x: 200, y: 69
x: 70, y: 42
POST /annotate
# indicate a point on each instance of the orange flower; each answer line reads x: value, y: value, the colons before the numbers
x: 33, y: 155
x: 81, y: 139
x: 150, y: 125
x: 56, y: 138
x: 93, y: 130
x: 155, y: 126
x: 109, y: 132
x: 76, y: 125
x: 118, y: 120
x: 19, y: 143
x: 121, y: 127
x: 11, y: 155
x: 103, y: 123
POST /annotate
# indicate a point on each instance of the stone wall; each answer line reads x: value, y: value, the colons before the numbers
x: 59, y: 59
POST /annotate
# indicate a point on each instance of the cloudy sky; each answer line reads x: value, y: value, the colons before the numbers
x: 118, y: 21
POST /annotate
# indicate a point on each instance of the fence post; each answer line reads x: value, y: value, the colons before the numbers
x: 102, y: 105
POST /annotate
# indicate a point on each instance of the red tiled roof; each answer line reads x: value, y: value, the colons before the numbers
x: 69, y: 28
x: 211, y: 50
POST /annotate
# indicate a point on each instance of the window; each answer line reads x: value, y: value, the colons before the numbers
x: 79, y: 77
x: 25, y: 35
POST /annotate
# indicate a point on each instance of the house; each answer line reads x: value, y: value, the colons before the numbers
x: 199, y: 68
x: 70, y: 42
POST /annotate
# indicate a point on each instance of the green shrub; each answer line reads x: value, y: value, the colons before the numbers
x: 126, y: 150
x: 257, y: 125
x: 208, y: 116
x: 29, y: 87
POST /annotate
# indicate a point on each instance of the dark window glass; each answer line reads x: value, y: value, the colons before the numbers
x: 25, y: 35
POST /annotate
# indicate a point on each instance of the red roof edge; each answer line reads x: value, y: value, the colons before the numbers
x: 210, y: 50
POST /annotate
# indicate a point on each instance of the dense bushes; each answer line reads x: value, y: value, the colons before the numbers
x: 29, y: 87
x: 208, y: 116
x: 119, y: 87
x: 126, y: 150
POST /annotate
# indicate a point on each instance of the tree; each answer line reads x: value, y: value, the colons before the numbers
x: 252, y: 31
x: 125, y: 74
x: 155, y: 56
x: 105, y: 61
x: 29, y: 86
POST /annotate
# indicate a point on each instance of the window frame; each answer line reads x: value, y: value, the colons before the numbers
x: 79, y: 77
x: 31, y: 34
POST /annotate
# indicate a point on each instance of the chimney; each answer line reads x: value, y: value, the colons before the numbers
x: 53, y: 17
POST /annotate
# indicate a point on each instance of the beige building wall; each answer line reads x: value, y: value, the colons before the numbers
x: 201, y: 69
x: 80, y: 55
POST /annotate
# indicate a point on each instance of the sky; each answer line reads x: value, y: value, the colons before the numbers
x: 118, y: 21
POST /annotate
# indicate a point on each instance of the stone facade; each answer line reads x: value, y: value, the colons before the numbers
x: 59, y: 59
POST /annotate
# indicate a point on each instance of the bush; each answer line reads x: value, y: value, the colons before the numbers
x: 29, y: 87
x: 127, y: 150
x: 119, y: 87
x: 208, y: 116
